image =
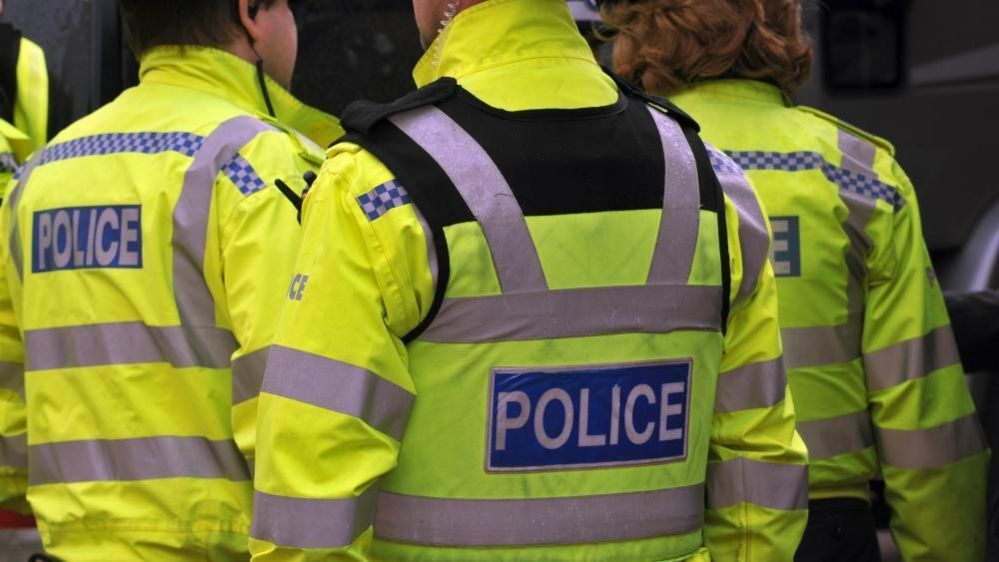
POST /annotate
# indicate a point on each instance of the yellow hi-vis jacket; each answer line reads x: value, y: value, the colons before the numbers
x: 146, y: 251
x: 874, y: 371
x: 31, y: 106
x: 13, y: 144
x: 375, y: 448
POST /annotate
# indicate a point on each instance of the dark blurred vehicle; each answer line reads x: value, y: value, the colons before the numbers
x: 923, y: 74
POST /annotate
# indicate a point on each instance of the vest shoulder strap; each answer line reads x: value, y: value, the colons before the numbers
x: 657, y: 102
x: 361, y: 116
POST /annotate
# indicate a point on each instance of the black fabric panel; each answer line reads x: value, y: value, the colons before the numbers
x: 362, y: 116
x: 10, y: 51
x: 713, y: 199
x: 432, y: 192
x: 680, y: 115
x: 562, y: 161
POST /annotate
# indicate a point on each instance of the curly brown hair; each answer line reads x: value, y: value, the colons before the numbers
x: 668, y: 44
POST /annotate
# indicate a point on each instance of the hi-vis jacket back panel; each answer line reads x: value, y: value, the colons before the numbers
x: 499, y: 350
x: 146, y: 253
x: 873, y: 367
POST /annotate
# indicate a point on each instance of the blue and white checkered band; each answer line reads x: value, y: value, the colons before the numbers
x: 786, y: 252
x: 722, y: 164
x: 852, y: 182
x: 552, y: 418
x: 243, y: 175
x: 8, y: 163
x: 383, y: 199
x: 117, y: 143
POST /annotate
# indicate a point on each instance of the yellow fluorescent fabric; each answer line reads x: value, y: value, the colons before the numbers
x: 871, y: 361
x: 361, y: 285
x: 31, y: 108
x: 151, y: 253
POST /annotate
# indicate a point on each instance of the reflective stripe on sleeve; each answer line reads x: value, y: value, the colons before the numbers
x: 248, y: 375
x: 14, y: 451
x: 911, y: 359
x: 821, y: 345
x: 312, y: 523
x: 766, y: 484
x: 195, y: 303
x: 128, y: 343
x: 677, y: 243
x: 832, y: 437
x: 145, y: 458
x: 858, y: 154
x: 759, y: 385
x: 339, y: 387
x: 577, y: 313
x: 12, y: 377
x: 485, y: 191
x: 543, y: 521
x: 754, y: 238
x: 933, y: 447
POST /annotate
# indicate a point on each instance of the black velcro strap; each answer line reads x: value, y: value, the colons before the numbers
x: 361, y: 116
x: 10, y: 51
x: 713, y: 199
x: 431, y: 190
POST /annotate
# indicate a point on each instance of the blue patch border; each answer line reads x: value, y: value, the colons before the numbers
x: 689, y: 362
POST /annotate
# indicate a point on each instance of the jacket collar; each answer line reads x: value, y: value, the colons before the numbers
x: 754, y: 90
x: 501, y: 32
x: 224, y: 75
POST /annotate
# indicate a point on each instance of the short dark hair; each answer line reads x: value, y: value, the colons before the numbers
x: 151, y: 23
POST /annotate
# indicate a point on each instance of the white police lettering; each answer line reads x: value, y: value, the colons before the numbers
x: 87, y: 237
x: 297, y: 290
x: 504, y: 422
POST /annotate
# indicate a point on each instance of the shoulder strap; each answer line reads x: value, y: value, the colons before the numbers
x: 10, y: 51
x: 658, y: 102
x: 361, y: 116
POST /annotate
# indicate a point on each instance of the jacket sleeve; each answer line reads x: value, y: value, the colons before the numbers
x: 258, y: 240
x: 932, y: 451
x: 757, y: 486
x: 13, y: 414
x: 337, y: 393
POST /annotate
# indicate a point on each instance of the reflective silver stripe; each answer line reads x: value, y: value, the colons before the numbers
x: 339, y: 387
x: 127, y: 343
x: 759, y: 385
x: 431, y: 245
x: 766, y: 484
x: 312, y: 523
x: 146, y: 458
x: 933, y: 447
x: 14, y: 451
x: 15, y: 198
x: 831, y: 437
x: 858, y: 154
x: 248, y: 375
x: 551, y: 521
x: 677, y: 243
x: 577, y: 313
x: 821, y: 345
x: 195, y: 303
x: 485, y: 191
x: 911, y: 359
x: 12, y: 377
x: 753, y: 235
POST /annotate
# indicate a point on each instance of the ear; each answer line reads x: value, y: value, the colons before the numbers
x: 247, y: 14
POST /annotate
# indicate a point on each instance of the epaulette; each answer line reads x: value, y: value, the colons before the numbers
x: 856, y: 131
x: 361, y: 116
x: 657, y: 101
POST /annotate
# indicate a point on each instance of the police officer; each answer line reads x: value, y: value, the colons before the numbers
x: 525, y: 324
x: 873, y: 367
x: 146, y: 252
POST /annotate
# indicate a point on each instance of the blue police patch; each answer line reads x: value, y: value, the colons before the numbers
x: 564, y: 418
x: 87, y: 238
x: 786, y: 256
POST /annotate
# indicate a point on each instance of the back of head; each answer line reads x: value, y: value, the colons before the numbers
x: 668, y: 44
x: 151, y: 23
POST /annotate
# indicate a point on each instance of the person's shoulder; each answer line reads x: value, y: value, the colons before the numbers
x: 841, y: 125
